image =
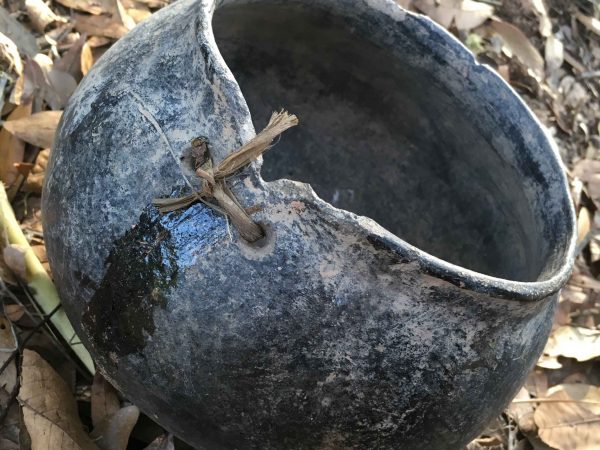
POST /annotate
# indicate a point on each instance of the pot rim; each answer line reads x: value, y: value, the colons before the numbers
x: 434, y: 266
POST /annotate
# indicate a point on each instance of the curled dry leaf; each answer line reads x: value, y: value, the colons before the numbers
x: 114, y: 433
x: 14, y: 258
x: 37, y: 129
x: 40, y: 14
x: 105, y: 400
x: 518, y: 45
x: 591, y: 23
x: 87, y: 58
x: 91, y: 6
x: 70, y: 61
x: 522, y: 413
x: 29, y: 85
x: 35, y: 178
x: 8, y: 344
x: 554, y: 53
x: 49, y: 409
x: 589, y: 172
x: 572, y: 424
x: 582, y: 344
x: 466, y: 14
x: 58, y: 85
x: 23, y: 39
x: 12, y: 148
x: 10, y: 53
x: 14, y: 312
x: 106, y: 26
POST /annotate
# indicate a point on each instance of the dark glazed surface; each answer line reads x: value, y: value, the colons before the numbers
x: 333, y: 333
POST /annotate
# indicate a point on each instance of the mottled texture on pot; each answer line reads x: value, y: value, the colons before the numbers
x: 337, y: 330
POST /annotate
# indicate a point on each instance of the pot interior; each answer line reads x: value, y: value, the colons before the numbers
x: 380, y: 137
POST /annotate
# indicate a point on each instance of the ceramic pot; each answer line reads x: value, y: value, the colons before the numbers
x: 399, y: 305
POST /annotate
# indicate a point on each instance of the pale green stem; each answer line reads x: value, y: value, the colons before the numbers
x: 38, y: 280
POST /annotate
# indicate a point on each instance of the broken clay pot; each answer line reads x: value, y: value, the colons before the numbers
x: 401, y: 306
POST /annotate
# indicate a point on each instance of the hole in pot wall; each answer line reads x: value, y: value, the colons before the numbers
x: 379, y: 138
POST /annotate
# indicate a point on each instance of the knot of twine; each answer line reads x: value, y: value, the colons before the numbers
x: 214, y: 184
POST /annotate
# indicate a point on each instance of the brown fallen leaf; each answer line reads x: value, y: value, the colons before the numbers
x: 30, y: 84
x: 40, y: 14
x: 37, y: 129
x: 91, y: 6
x: 12, y: 148
x: 591, y: 23
x: 14, y: 258
x: 164, y: 442
x: 87, y: 58
x: 106, y: 26
x: 10, y: 53
x: 58, y: 85
x: 114, y: 432
x: 574, y: 342
x: 522, y: 413
x: 14, y: 312
x: 35, y: 178
x: 8, y: 342
x: 573, y: 424
x: 105, y: 400
x: 70, y: 62
x: 24, y: 40
x: 518, y: 45
x: 466, y: 14
x: 49, y: 409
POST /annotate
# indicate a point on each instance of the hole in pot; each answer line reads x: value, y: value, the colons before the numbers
x: 379, y: 137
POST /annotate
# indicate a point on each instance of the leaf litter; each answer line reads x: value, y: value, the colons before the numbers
x: 548, y: 50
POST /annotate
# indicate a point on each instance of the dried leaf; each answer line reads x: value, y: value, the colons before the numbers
x: 472, y: 14
x: 589, y: 172
x: 164, y: 442
x: 14, y: 312
x: 574, y: 342
x: 40, y: 14
x: 539, y: 8
x: 22, y: 38
x: 37, y: 129
x: 71, y: 60
x: 14, y: 258
x: 60, y: 87
x: 466, y: 14
x: 139, y: 12
x: 31, y: 83
x: 114, y: 433
x: 105, y: 400
x: 591, y: 23
x: 35, y: 178
x: 519, y: 45
x: 12, y: 148
x: 584, y: 224
x: 87, y: 58
x: 522, y: 413
x: 573, y: 424
x: 106, y: 26
x: 10, y: 53
x: 554, y: 53
x: 123, y: 17
x: 8, y: 344
x: 90, y: 6
x: 49, y: 408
